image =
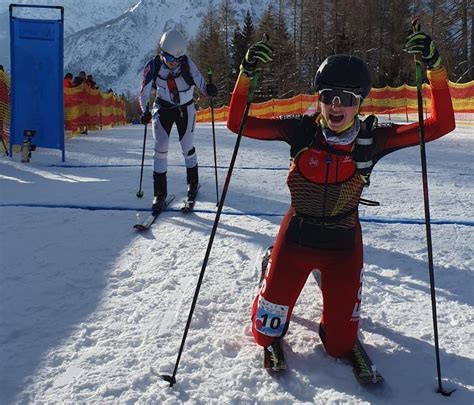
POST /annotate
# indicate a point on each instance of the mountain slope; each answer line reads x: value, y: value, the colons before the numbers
x: 78, y: 15
x: 113, y: 39
x: 116, y: 51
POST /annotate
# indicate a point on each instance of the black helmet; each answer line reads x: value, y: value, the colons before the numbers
x: 346, y: 72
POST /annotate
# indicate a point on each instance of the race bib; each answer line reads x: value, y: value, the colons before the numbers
x: 271, y: 318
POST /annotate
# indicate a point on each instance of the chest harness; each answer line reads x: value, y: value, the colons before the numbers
x: 362, y: 153
x: 184, y: 72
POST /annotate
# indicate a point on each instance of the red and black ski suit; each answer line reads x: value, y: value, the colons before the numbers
x: 321, y: 229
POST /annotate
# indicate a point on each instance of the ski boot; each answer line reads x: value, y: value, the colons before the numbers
x: 273, y: 357
x: 160, y: 192
x: 193, y: 182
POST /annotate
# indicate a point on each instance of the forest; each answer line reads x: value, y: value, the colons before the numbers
x: 304, y: 32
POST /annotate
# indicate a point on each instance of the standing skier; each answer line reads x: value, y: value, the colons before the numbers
x: 173, y: 75
x: 332, y: 155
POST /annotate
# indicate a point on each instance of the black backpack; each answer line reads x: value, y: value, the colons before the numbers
x: 362, y: 153
x: 185, y: 71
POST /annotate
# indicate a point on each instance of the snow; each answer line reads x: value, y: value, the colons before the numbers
x: 92, y: 312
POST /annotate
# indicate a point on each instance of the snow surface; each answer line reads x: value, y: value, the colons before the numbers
x: 92, y: 312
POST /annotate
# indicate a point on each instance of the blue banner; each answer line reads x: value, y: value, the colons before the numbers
x: 37, y: 95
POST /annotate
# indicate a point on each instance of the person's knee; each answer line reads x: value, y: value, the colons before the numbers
x: 269, y: 319
x: 190, y: 158
x: 160, y: 162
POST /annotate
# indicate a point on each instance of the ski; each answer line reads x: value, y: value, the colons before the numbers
x: 364, y: 369
x: 188, y: 204
x: 273, y: 357
x: 151, y: 218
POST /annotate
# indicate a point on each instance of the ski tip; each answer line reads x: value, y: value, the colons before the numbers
x: 140, y: 227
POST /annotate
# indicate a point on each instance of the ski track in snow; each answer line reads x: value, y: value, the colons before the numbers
x: 92, y: 312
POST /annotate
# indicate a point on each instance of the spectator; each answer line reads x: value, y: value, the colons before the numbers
x: 90, y: 82
x: 78, y: 80
x: 68, y: 80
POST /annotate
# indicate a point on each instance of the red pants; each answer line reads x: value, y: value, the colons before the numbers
x: 341, y: 285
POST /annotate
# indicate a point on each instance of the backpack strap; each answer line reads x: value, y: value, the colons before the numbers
x: 309, y: 134
x: 364, y: 147
x: 185, y: 71
x: 156, y: 69
x: 306, y: 128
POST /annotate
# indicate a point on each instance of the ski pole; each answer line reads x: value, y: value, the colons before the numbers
x: 416, y: 28
x: 140, y: 192
x: 209, y: 75
x: 172, y: 378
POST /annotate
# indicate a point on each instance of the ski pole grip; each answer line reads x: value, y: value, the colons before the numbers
x: 416, y: 27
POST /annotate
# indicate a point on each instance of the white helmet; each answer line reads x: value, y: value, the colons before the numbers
x: 173, y: 43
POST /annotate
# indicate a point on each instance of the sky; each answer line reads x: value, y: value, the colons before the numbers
x: 93, y: 312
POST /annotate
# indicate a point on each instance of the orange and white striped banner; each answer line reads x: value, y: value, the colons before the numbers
x: 381, y: 101
x: 91, y: 109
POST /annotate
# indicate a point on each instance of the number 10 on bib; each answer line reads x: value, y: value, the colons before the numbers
x: 271, y: 318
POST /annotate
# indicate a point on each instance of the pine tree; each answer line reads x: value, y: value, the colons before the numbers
x: 238, y: 49
x: 243, y: 38
x: 227, y: 18
x: 311, y: 44
x: 470, y: 63
x: 208, y: 52
x: 277, y: 76
x: 304, y: 32
x: 132, y: 109
x: 248, y: 31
